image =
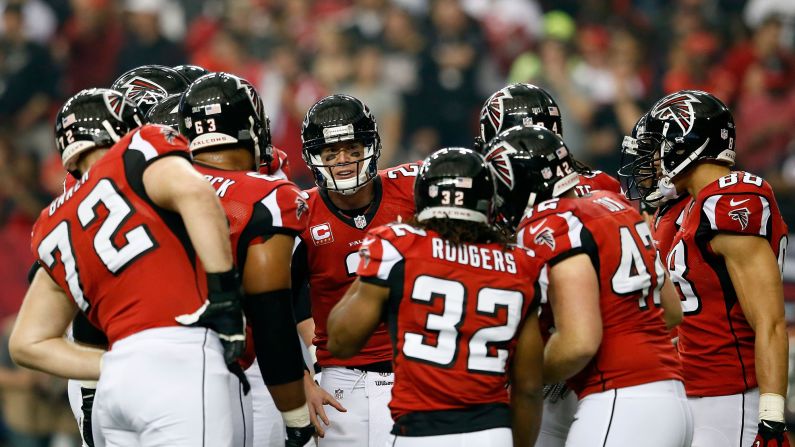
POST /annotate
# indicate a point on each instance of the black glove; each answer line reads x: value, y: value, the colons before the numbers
x: 299, y: 436
x: 223, y: 313
x: 771, y: 434
x: 87, y: 395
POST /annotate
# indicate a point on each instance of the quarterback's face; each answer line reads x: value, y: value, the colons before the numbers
x: 342, y: 157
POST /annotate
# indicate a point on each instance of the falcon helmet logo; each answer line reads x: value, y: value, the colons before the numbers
x: 495, y: 109
x: 143, y: 91
x: 545, y: 237
x: 501, y: 164
x: 115, y: 104
x: 169, y: 134
x: 679, y: 108
x: 740, y: 215
x: 251, y: 93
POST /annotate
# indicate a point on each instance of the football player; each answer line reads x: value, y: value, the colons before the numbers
x: 639, y: 181
x: 341, y: 146
x: 602, y: 292
x: 223, y: 118
x: 461, y: 307
x: 121, y: 245
x: 726, y: 261
x: 522, y: 104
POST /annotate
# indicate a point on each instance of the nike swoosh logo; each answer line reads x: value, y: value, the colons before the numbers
x: 733, y: 203
x: 534, y: 228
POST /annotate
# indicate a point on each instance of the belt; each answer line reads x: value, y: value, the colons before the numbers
x: 377, y: 367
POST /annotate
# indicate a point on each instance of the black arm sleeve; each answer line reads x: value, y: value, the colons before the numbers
x: 276, y: 341
x: 302, y: 305
x: 32, y: 271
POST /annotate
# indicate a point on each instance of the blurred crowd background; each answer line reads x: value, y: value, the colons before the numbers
x: 423, y: 66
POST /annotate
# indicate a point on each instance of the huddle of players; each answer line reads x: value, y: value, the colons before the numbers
x: 424, y: 253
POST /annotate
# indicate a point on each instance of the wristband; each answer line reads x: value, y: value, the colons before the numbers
x: 771, y: 407
x: 296, y: 418
x: 222, y: 281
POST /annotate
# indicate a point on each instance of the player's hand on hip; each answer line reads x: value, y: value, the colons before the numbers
x: 223, y: 313
x: 316, y: 398
x: 771, y: 434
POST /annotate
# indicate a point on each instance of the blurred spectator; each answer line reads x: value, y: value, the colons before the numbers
x: 288, y: 92
x: 331, y: 63
x: 38, y: 19
x: 366, y: 20
x: 764, y: 50
x: 27, y: 77
x: 756, y: 11
x: 402, y: 44
x: 21, y: 200
x: 510, y: 26
x: 144, y: 42
x: 692, y: 66
x: 383, y: 100
x: 90, y: 46
x: 765, y: 114
x: 447, y: 101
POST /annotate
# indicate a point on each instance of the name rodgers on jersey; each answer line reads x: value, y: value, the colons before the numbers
x: 478, y: 257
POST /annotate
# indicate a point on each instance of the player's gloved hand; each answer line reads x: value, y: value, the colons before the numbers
x: 771, y: 434
x: 223, y: 313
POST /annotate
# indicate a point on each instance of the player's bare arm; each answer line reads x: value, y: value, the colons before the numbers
x: 671, y: 304
x: 173, y: 184
x: 574, y: 297
x: 43, y: 346
x: 756, y: 278
x: 527, y: 383
x: 355, y: 317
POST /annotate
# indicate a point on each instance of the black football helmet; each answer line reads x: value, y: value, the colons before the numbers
x: 686, y: 127
x: 638, y: 173
x: 92, y: 118
x: 532, y: 164
x: 147, y: 85
x: 455, y: 183
x: 165, y: 112
x: 191, y: 72
x: 338, y: 118
x: 221, y: 110
x: 518, y: 105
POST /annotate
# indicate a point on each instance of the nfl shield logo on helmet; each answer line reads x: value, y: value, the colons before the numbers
x: 724, y: 133
x: 546, y: 173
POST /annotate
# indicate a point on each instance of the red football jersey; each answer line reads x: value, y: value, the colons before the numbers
x: 636, y: 348
x: 453, y: 315
x: 127, y: 263
x: 596, y: 181
x: 667, y: 220
x: 332, y: 242
x: 257, y: 206
x: 716, y: 343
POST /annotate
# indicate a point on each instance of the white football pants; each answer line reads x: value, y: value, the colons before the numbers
x: 556, y: 421
x: 652, y: 415
x: 494, y: 437
x: 729, y: 421
x: 366, y: 396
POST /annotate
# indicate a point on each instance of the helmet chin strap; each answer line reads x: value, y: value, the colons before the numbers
x: 666, y: 184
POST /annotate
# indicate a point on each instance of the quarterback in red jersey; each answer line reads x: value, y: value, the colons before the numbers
x: 459, y: 302
x: 223, y: 117
x: 726, y: 263
x: 138, y: 212
x: 524, y: 104
x: 610, y: 341
x: 341, y: 146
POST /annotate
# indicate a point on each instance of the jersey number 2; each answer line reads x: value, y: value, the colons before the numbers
x: 445, y: 325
